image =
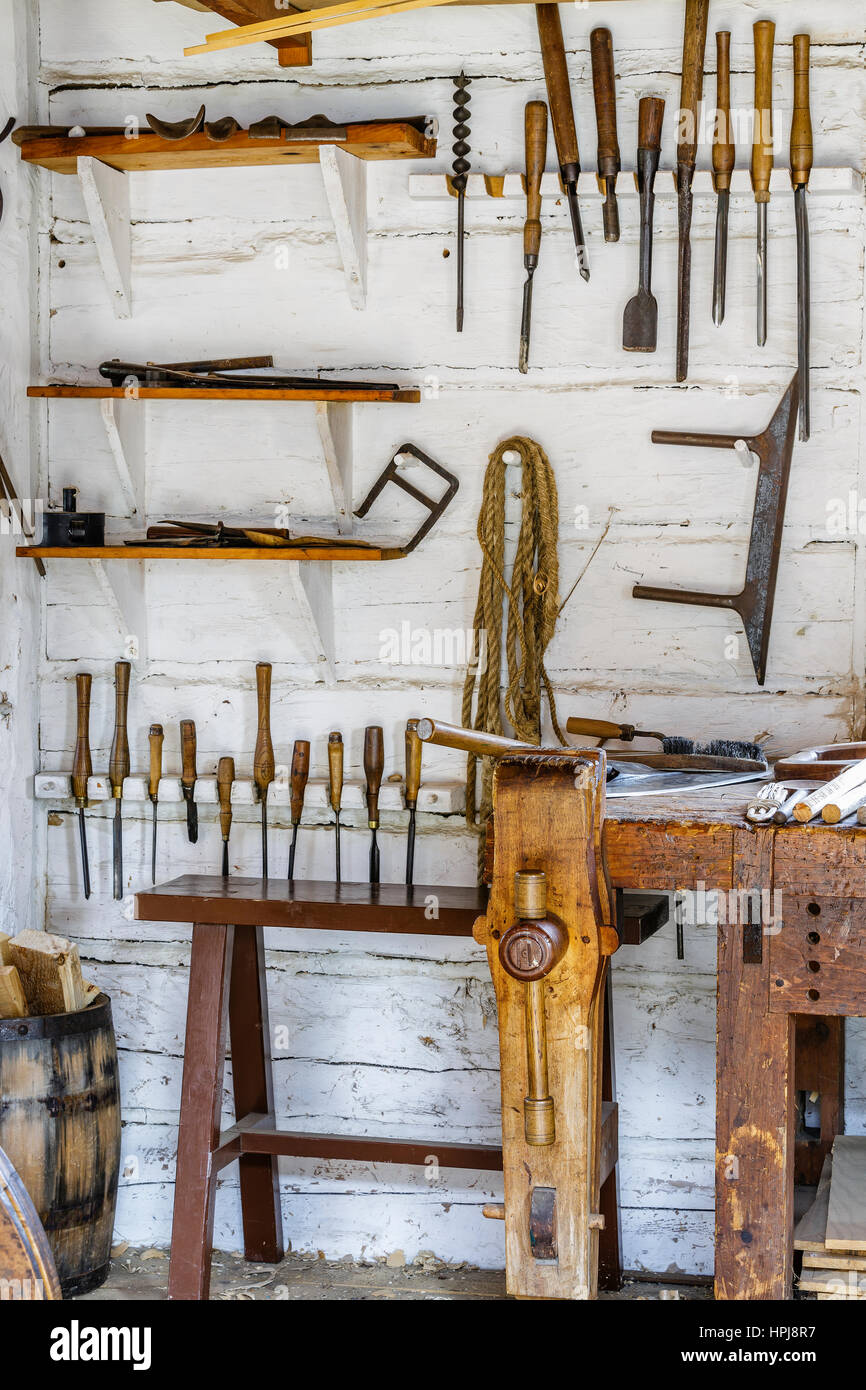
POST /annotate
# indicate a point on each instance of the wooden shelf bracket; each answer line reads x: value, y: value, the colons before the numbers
x: 125, y: 427
x: 122, y: 587
x: 345, y: 180
x: 106, y: 197
x: 336, y: 423
x: 313, y: 610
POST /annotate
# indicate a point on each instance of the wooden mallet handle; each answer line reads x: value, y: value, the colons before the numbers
x: 300, y: 773
x: 475, y: 741
x: 374, y: 765
x: 263, y: 763
x: 801, y: 122
x: 724, y: 150
x: 762, y: 135
x: 650, y: 116
x: 187, y: 753
x: 155, y: 739
x: 604, y: 91
x: 225, y: 778
x: 535, y: 130
x: 692, y: 81
x: 414, y: 748
x: 118, y: 764
x: 335, y: 770
x: 82, y: 766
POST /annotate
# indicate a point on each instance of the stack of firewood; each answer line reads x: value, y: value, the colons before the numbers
x: 41, y: 974
x: 832, y: 1234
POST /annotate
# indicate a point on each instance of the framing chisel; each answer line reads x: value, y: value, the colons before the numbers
x: 188, y: 776
x: 762, y: 156
x: 225, y: 778
x: 801, y: 167
x: 335, y: 789
x: 604, y: 91
x: 300, y: 773
x: 155, y: 738
x: 640, y: 318
x: 82, y: 766
x: 691, y: 88
x: 118, y: 766
x: 535, y: 129
x: 263, y: 763
x: 724, y: 162
x: 374, y: 763
x: 562, y: 116
x: 414, y: 749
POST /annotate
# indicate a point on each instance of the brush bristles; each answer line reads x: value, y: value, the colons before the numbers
x: 717, y: 748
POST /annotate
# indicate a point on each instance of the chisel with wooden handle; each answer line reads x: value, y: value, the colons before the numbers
x: 155, y: 739
x: 724, y: 161
x: 82, y: 767
x: 414, y: 748
x: 604, y: 91
x: 801, y: 168
x: 691, y: 88
x: 374, y: 764
x: 535, y: 131
x: 762, y: 156
x: 118, y: 766
x: 606, y: 728
x: 562, y: 116
x: 298, y: 785
x: 263, y: 762
x: 188, y: 776
x: 225, y: 778
x: 335, y: 789
x: 641, y: 314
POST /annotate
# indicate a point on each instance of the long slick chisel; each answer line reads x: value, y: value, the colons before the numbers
x: 225, y: 778
x: 801, y: 167
x: 691, y: 88
x: 762, y: 157
x: 724, y: 161
x: 335, y: 790
x: 604, y: 91
x: 374, y: 764
x: 298, y: 785
x: 414, y: 748
x: 535, y: 130
x: 641, y: 314
x: 562, y: 116
x: 118, y: 766
x: 263, y: 762
x: 155, y: 739
x: 188, y: 776
x: 82, y: 767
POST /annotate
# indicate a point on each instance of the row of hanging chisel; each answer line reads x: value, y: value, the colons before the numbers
x: 264, y: 769
x: 640, y: 319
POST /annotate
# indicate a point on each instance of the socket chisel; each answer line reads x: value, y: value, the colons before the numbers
x: 374, y: 764
x: 641, y: 315
x: 82, y: 767
x: 189, y: 776
x: 691, y: 88
x: 263, y: 762
x: 562, y: 116
x: 604, y: 91
x: 155, y: 739
x: 225, y: 778
x: 762, y: 157
x: 724, y: 162
x: 535, y: 130
x: 335, y: 789
x: 300, y: 773
x: 801, y: 167
x: 118, y: 766
x: 414, y: 748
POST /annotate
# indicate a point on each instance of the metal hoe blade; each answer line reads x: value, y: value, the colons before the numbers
x: 801, y: 216
x: 720, y: 260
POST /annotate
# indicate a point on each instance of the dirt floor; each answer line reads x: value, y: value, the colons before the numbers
x: 141, y: 1274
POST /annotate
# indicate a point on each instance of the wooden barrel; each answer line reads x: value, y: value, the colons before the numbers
x: 60, y: 1126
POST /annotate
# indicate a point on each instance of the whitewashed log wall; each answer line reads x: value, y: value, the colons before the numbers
x: 397, y: 1036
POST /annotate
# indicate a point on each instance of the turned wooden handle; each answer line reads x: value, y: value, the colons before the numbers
x: 724, y: 150
x: 692, y: 82
x: 558, y: 90
x: 374, y: 764
x: 801, y: 121
x: 300, y: 773
x: 118, y: 764
x: 762, y: 135
x: 604, y: 91
x: 225, y: 777
x: 600, y: 728
x: 155, y: 738
x: 471, y: 740
x: 335, y: 770
x: 535, y: 129
x: 650, y: 114
x: 187, y: 752
x: 263, y: 762
x: 414, y: 749
x: 82, y: 766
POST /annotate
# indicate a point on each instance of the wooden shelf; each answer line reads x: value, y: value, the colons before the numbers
x: 174, y: 552
x: 409, y: 395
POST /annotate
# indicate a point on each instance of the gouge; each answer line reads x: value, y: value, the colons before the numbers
x: 374, y: 763
x: 298, y: 785
x: 225, y: 778
x: 762, y: 156
x: 118, y: 766
x: 414, y: 748
x: 535, y: 130
x: 155, y: 738
x: 691, y: 88
x: 263, y: 762
x: 335, y: 788
x: 640, y: 319
x: 604, y: 91
x: 562, y: 115
x: 724, y: 161
x: 82, y: 766
x: 801, y: 167
x: 188, y: 776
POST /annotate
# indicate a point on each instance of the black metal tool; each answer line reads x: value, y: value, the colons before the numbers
x: 391, y: 474
x: 535, y: 130
x: 118, y: 766
x: 70, y: 526
x: 227, y: 378
x: 155, y: 739
x: 754, y: 603
x: 335, y: 789
x: 724, y: 162
x: 691, y: 88
x: 564, y: 128
x: 298, y: 785
x: 82, y: 767
x: 263, y: 761
x: 414, y: 748
x: 188, y: 776
x: 801, y: 168
x: 604, y: 90
x: 641, y: 315
x: 374, y: 765
x: 225, y: 778
x: 460, y: 165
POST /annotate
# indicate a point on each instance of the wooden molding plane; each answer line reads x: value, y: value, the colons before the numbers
x: 295, y: 51
x: 548, y: 931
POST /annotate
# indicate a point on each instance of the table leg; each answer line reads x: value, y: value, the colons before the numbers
x: 609, y: 1242
x: 754, y: 1101
x: 254, y: 1092
x: 200, y: 1109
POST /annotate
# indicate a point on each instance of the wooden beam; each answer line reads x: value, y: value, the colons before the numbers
x: 293, y: 52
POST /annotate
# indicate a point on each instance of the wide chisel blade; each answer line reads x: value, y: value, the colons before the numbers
x: 801, y: 215
x: 720, y: 259
x: 191, y: 817
x: 85, y: 863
